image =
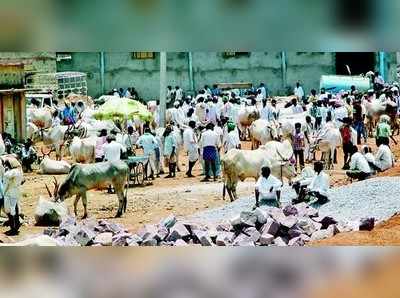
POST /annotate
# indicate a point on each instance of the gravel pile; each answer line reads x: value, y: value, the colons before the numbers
x: 377, y: 197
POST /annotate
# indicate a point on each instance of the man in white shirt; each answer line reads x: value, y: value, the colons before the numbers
x: 201, y: 110
x: 298, y: 91
x: 268, y: 187
x: 191, y: 146
x: 264, y: 111
x: 12, y: 178
x: 186, y: 105
x: 384, y: 158
x: 170, y: 95
x: 296, y: 107
x: 260, y: 97
x: 317, y: 189
x: 130, y: 139
x: 359, y: 167
x: 116, y: 93
x: 213, y: 115
x: 232, y: 140
x: 367, y: 152
x: 150, y: 146
x: 210, y: 142
x: 177, y: 115
x: 263, y: 90
x: 178, y: 93
x: 112, y: 149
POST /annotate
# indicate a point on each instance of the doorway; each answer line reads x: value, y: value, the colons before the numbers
x: 359, y: 63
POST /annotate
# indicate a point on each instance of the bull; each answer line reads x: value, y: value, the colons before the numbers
x: 241, y: 164
x: 84, y: 177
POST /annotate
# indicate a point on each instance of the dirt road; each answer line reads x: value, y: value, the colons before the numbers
x: 179, y: 196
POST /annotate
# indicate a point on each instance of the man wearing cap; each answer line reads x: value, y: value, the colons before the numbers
x: 383, y: 131
x: 232, y: 140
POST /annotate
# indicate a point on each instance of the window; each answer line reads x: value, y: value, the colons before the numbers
x: 60, y: 56
x: 143, y: 55
x: 235, y: 54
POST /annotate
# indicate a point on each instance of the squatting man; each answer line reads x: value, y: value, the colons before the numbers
x: 313, y: 186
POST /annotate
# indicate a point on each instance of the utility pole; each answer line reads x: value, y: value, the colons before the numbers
x: 163, y: 87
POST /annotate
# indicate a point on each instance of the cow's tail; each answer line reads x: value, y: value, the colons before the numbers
x: 126, y: 193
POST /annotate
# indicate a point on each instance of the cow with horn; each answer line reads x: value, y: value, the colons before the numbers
x: 84, y: 177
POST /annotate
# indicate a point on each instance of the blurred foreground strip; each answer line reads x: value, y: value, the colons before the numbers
x: 195, y: 272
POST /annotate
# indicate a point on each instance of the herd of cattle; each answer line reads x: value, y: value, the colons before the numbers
x: 271, y: 144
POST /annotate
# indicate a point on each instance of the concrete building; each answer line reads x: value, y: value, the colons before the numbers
x: 279, y: 70
x: 12, y: 100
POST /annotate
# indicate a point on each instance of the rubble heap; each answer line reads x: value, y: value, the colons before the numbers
x: 294, y: 225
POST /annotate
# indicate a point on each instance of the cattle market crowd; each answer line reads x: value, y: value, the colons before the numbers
x: 208, y: 129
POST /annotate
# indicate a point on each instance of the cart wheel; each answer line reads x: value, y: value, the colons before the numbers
x: 140, y: 174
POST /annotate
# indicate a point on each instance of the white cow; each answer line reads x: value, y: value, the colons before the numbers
x: 83, y: 150
x: 261, y: 132
x: 52, y: 136
x: 241, y: 164
x: 41, y: 117
x: 327, y: 140
x: 54, y: 167
x: 246, y: 116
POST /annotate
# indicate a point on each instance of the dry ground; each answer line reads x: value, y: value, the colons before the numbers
x: 180, y: 196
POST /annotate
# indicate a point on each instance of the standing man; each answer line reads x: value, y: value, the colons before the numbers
x: 169, y: 96
x: 191, y: 146
x: 313, y: 97
x: 232, y: 140
x: 264, y: 90
x: 178, y: 93
x: 149, y: 144
x: 358, y: 123
x: 299, y: 92
x: 112, y: 149
x: 12, y: 181
x: 28, y: 155
x: 345, y: 132
x: 268, y: 187
x: 296, y: 107
x: 170, y: 152
x: 130, y: 139
x: 68, y: 114
x: 383, y: 131
x: 210, y: 142
x: 299, y: 145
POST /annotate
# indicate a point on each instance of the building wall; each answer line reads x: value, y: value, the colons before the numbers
x: 122, y: 70
x: 34, y: 61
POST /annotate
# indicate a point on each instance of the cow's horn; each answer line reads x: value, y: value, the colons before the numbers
x: 48, y: 191
x: 55, y: 186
